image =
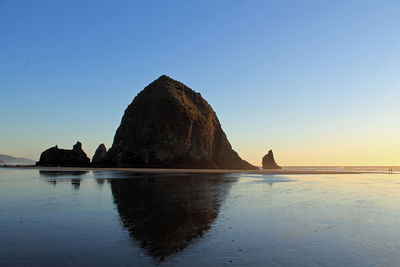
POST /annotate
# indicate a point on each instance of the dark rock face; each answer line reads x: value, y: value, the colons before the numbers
x: 168, y: 125
x: 99, y: 154
x: 268, y: 161
x: 62, y: 157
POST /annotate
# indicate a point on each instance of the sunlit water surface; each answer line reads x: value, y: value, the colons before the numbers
x: 115, y: 218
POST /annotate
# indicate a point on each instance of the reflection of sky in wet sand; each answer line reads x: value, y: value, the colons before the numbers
x: 308, y: 220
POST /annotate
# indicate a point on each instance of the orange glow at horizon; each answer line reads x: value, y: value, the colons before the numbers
x: 383, y: 151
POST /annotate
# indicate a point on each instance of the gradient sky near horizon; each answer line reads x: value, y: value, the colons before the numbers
x: 316, y: 81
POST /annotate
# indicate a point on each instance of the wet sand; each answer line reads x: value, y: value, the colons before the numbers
x: 76, y: 217
x: 155, y: 170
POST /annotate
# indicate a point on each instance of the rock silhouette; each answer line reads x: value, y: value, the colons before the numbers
x: 165, y: 214
x: 168, y: 125
x: 63, y: 157
x: 99, y: 154
x: 268, y: 161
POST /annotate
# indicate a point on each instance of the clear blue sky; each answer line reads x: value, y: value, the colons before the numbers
x: 316, y: 81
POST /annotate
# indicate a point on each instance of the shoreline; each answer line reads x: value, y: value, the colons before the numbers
x: 208, y: 171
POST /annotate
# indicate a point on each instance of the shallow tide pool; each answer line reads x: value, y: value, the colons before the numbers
x: 56, y: 218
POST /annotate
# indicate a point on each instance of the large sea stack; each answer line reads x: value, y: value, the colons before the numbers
x: 268, y: 161
x: 63, y: 157
x: 168, y: 125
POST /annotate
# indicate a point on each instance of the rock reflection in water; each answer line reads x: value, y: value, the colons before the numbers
x: 54, y: 177
x: 61, y: 173
x: 165, y: 214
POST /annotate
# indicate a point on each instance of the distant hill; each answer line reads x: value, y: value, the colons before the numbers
x: 9, y: 160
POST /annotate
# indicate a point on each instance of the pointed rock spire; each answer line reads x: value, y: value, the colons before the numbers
x: 268, y: 161
x: 99, y: 154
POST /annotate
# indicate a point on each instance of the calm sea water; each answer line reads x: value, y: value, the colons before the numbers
x: 115, y: 218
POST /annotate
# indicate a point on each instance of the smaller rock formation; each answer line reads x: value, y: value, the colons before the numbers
x: 268, y: 161
x: 63, y: 157
x: 99, y: 154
